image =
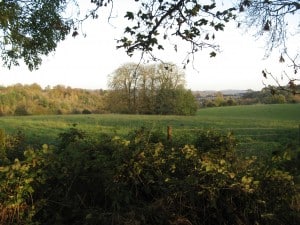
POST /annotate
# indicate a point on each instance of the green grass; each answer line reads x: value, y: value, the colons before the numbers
x: 257, y: 126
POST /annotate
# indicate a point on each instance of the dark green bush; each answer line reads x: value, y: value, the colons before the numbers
x: 86, y: 111
x: 211, y: 140
x: 21, y: 110
x: 11, y: 147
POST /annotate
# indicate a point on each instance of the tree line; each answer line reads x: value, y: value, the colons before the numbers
x: 267, y: 95
x: 152, y: 89
x: 32, y: 99
x: 133, y: 89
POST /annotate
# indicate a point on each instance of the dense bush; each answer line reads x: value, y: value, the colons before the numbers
x: 145, y: 179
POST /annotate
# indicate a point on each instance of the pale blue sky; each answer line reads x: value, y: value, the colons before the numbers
x: 86, y: 62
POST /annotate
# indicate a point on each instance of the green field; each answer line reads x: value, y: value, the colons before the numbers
x: 256, y: 127
x: 141, y: 177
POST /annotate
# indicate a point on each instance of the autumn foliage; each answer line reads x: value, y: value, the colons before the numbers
x: 144, y: 179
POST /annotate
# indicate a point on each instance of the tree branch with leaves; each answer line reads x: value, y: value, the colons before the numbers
x: 30, y: 29
x: 278, y: 21
x: 185, y: 20
x: 293, y: 82
x: 271, y: 18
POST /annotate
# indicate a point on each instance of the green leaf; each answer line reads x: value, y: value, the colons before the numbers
x: 212, y: 54
x: 129, y: 15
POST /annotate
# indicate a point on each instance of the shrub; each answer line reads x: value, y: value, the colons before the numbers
x: 211, y: 140
x: 143, y: 179
x: 21, y: 110
x: 19, y: 181
x: 86, y: 111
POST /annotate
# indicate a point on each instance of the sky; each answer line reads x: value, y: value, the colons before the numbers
x: 86, y: 62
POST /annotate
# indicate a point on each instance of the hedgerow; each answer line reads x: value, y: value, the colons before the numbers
x: 145, y: 179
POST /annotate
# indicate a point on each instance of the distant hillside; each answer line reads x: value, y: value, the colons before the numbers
x: 224, y: 92
x: 233, y: 92
x: 33, y: 100
x: 268, y: 95
x: 19, y: 100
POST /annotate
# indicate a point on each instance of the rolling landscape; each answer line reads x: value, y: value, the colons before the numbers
x: 149, y: 151
x: 92, y: 168
x: 273, y: 126
x: 149, y: 112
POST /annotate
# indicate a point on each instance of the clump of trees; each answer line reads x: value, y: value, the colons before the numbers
x: 150, y: 89
x: 33, y: 100
x: 271, y: 95
x: 218, y: 100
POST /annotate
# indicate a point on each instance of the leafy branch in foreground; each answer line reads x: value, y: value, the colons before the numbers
x: 187, y: 20
x: 276, y: 19
x: 293, y: 82
x: 31, y: 29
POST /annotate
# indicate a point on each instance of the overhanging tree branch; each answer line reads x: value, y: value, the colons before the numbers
x: 293, y: 83
x: 186, y: 19
x: 271, y: 19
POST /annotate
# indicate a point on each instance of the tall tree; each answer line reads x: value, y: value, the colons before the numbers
x: 150, y: 89
x: 169, y: 76
x: 124, y: 83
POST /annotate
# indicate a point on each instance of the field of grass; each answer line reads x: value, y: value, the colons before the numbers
x: 266, y: 127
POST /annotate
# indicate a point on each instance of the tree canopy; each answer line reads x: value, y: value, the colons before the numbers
x: 274, y: 18
x: 32, y: 28
x: 151, y: 89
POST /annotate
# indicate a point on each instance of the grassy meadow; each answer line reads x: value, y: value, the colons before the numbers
x: 256, y: 127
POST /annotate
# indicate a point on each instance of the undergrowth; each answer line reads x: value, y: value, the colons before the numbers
x: 145, y: 178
